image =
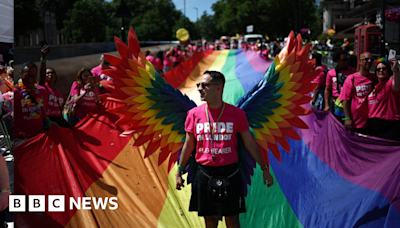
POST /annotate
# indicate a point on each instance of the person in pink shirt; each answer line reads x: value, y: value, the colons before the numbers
x: 169, y: 60
x: 97, y: 72
x: 149, y: 56
x: 55, y: 100
x: 158, y: 62
x: 318, y: 97
x: 29, y: 105
x: 211, y: 130
x: 333, y: 86
x: 384, y: 101
x: 356, y: 89
x: 177, y: 56
x: 85, y: 94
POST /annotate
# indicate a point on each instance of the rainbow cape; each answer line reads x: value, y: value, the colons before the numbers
x: 330, y: 178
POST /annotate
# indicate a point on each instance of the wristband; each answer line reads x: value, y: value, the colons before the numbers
x: 48, y: 122
x: 347, y: 118
x: 43, y: 60
x: 180, y: 168
x: 264, y: 167
x: 5, y: 190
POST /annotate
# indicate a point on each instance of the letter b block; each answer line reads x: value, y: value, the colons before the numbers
x: 17, y: 203
x: 37, y: 203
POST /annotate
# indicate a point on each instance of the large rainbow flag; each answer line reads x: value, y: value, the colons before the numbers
x: 330, y: 178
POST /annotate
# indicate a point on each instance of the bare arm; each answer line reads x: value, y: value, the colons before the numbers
x: 252, y: 146
x: 187, y: 150
x: 348, y: 123
x: 396, y: 74
x: 327, y: 95
x: 45, y: 50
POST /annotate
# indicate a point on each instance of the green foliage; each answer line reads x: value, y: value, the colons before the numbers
x: 205, y: 27
x: 323, y: 36
x: 87, y: 21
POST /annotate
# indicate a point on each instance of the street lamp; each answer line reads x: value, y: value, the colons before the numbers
x: 122, y: 12
x: 197, y: 13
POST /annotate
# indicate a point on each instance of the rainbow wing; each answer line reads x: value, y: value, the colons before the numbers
x: 272, y: 106
x: 149, y: 105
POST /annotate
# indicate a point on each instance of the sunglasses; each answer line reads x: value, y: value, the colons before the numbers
x: 367, y: 59
x: 383, y: 69
x: 204, y: 85
x: 344, y: 60
x: 106, y: 63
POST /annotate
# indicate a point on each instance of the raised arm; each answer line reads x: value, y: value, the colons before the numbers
x: 396, y: 73
x: 44, y: 51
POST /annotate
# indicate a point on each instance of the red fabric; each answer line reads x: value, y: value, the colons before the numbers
x: 54, y: 102
x: 223, y: 150
x: 385, y: 105
x: 356, y: 88
x: 178, y: 75
x: 71, y: 160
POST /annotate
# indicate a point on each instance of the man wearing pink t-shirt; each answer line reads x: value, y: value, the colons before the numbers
x: 334, y: 86
x: 212, y: 130
x: 356, y: 89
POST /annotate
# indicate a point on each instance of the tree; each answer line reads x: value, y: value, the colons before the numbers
x: 87, y: 22
x: 205, y: 27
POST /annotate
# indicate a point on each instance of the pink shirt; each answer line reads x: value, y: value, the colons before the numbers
x: 177, y: 57
x: 158, y: 64
x: 26, y: 126
x: 331, y: 79
x: 54, y: 98
x: 356, y: 88
x: 150, y: 58
x: 87, y: 102
x: 96, y: 71
x: 385, y: 105
x: 233, y: 121
x: 168, y: 60
x: 320, y: 79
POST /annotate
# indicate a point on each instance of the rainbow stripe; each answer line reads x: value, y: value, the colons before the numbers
x: 330, y: 178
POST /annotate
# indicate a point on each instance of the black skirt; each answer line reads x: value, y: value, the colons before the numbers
x: 202, y: 204
x: 385, y: 129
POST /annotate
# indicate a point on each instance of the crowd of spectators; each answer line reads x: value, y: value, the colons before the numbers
x: 365, y: 102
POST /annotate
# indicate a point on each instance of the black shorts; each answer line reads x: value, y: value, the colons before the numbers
x: 200, y: 202
x: 385, y: 129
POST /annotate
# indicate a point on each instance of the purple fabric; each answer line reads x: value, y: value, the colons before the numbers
x: 370, y: 162
x: 256, y: 61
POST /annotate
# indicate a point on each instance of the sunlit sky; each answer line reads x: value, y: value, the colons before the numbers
x: 201, y: 5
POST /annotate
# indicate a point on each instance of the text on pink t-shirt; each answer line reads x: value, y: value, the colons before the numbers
x: 232, y: 121
x: 54, y: 100
x: 25, y: 125
x: 356, y: 89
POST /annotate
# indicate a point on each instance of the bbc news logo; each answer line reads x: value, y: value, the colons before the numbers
x: 56, y: 203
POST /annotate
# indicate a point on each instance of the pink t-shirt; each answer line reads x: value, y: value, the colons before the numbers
x: 178, y: 56
x: 158, y: 64
x: 87, y: 102
x: 356, y: 88
x: 168, y: 60
x: 233, y: 121
x: 385, y: 105
x: 331, y: 79
x: 96, y: 71
x: 26, y: 125
x: 54, y: 99
x: 320, y: 79
x: 150, y: 58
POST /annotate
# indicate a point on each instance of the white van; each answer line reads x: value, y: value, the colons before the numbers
x: 252, y: 38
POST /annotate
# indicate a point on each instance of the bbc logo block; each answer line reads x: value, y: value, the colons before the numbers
x: 56, y: 203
